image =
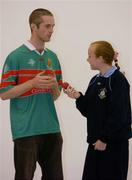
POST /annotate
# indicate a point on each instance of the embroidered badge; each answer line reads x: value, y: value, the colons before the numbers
x: 49, y: 64
x: 98, y: 83
x: 102, y: 93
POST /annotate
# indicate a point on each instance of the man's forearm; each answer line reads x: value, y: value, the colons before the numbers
x: 56, y: 92
x: 17, y: 90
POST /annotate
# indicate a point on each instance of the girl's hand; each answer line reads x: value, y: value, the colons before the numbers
x: 99, y: 145
x: 71, y: 92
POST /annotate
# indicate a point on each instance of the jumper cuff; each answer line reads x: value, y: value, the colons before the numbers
x: 81, y: 95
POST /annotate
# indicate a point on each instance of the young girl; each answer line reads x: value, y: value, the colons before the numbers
x: 106, y: 105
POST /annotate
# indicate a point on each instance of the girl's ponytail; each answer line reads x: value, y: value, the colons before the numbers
x: 116, y: 60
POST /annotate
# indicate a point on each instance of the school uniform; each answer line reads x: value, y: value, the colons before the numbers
x: 106, y: 105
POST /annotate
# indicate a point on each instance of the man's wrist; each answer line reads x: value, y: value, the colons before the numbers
x: 30, y: 83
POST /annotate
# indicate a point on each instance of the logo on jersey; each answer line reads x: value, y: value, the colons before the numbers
x: 31, y: 62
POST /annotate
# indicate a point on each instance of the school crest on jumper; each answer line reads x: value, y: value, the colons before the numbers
x: 102, y: 93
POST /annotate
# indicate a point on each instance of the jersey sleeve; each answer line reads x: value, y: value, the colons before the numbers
x: 58, y: 73
x: 9, y: 74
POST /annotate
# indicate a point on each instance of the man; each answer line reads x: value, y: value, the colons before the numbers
x: 31, y: 80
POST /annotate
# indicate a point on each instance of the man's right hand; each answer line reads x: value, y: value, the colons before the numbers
x: 43, y: 81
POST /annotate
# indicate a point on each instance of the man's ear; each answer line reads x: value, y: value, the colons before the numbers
x: 33, y: 26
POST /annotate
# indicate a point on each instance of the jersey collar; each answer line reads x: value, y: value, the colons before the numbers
x: 33, y: 48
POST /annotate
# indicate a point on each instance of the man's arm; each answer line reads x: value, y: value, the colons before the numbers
x: 56, y: 92
x: 39, y: 81
x: 17, y: 90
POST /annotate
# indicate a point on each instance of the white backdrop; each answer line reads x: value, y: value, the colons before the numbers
x: 78, y: 23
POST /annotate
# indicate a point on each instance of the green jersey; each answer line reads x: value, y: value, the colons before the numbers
x: 33, y: 113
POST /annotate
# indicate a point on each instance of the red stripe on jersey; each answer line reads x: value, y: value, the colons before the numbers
x: 30, y: 72
x: 5, y: 84
x: 23, y: 79
x: 60, y: 82
x: 58, y: 72
x: 10, y: 73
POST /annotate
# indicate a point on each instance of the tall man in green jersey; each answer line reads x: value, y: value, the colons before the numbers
x: 31, y: 79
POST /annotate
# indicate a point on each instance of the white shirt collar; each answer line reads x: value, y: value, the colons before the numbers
x: 108, y: 73
x: 33, y: 48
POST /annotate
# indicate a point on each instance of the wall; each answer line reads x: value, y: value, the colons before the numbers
x: 78, y: 23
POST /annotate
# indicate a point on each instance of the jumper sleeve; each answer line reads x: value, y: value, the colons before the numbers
x: 81, y: 105
x: 118, y: 120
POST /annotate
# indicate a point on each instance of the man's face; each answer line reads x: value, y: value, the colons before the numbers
x: 45, y: 29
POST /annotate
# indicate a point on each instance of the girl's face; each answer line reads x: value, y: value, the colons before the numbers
x: 92, y: 59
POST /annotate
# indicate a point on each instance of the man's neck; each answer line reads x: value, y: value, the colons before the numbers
x: 39, y: 45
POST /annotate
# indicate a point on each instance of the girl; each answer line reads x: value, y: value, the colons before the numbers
x: 106, y: 105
